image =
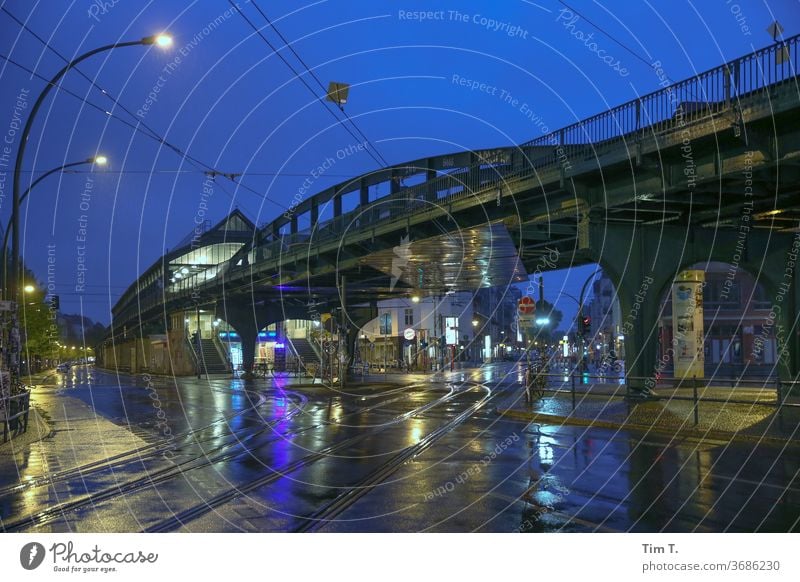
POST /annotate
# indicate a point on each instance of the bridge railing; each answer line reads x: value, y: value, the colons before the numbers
x: 710, y: 93
x: 705, y: 94
x: 426, y: 196
x: 673, y: 107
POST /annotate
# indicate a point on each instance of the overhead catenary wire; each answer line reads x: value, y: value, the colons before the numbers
x: 314, y: 76
x: 378, y: 160
x: 608, y: 34
x: 175, y: 171
x: 200, y: 167
x: 147, y: 131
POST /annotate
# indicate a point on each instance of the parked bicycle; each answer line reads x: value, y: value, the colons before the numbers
x: 536, y: 379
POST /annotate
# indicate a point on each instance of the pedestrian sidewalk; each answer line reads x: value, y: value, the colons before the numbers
x: 723, y: 415
x: 63, y: 432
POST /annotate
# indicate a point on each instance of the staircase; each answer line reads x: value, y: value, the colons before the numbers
x: 212, y: 361
x: 304, y: 350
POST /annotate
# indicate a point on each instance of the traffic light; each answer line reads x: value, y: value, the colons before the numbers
x: 584, y: 325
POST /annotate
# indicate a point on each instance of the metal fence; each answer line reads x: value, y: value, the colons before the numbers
x: 707, y: 93
x: 724, y: 89
x: 14, y: 411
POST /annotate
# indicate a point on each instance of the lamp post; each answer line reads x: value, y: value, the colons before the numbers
x: 98, y: 160
x: 161, y: 40
x: 579, y: 301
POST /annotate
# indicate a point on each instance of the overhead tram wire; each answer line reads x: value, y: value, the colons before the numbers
x: 609, y: 35
x: 198, y: 171
x: 151, y: 133
x: 614, y: 39
x: 300, y: 78
x: 200, y: 166
x: 55, y: 51
x: 314, y: 76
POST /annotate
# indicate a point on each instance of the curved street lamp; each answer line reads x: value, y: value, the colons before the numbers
x: 161, y: 40
x: 96, y: 160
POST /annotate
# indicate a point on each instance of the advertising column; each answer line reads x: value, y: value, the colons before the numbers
x: 687, y: 324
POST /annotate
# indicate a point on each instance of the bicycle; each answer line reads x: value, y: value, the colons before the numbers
x: 535, y: 382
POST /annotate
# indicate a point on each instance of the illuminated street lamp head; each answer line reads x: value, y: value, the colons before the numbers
x: 474, y: 323
x: 162, y: 40
x: 100, y: 160
x: 415, y: 299
x: 29, y: 288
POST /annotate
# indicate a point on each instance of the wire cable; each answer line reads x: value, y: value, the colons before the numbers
x: 151, y: 133
x: 319, y: 82
x: 302, y: 80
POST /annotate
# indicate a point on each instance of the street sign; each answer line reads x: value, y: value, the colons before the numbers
x: 337, y: 93
x: 409, y: 334
x: 526, y: 306
x: 775, y: 30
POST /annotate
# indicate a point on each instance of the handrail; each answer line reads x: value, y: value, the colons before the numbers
x: 23, y: 412
x: 706, y: 94
x: 717, y: 90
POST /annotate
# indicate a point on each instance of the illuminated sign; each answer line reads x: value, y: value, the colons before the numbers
x: 451, y: 331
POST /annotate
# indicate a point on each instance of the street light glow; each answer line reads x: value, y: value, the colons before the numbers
x: 29, y: 288
x: 415, y: 299
x: 101, y: 160
x: 164, y: 40
x: 474, y: 323
x: 543, y: 321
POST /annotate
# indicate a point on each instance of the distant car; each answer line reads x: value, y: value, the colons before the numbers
x: 63, y: 367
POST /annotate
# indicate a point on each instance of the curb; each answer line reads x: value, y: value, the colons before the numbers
x: 689, y: 432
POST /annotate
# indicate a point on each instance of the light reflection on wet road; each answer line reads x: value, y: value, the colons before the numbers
x: 228, y: 455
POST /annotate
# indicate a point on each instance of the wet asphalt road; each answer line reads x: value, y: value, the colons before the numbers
x: 225, y: 455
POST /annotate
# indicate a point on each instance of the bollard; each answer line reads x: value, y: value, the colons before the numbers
x: 572, y: 376
x: 696, y: 404
x: 27, y: 411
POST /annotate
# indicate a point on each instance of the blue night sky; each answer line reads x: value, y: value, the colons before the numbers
x: 225, y: 98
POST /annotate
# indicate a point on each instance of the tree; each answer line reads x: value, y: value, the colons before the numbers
x: 38, y: 323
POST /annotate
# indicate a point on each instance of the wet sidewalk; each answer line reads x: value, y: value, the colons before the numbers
x: 719, y: 413
x: 63, y: 432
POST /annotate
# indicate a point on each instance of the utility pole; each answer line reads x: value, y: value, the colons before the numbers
x: 344, y: 358
x: 199, y: 345
x: 385, y: 345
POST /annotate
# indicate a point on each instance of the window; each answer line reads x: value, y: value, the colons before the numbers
x: 409, y: 315
x: 386, y: 324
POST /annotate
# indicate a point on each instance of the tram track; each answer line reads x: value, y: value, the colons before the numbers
x: 346, y: 499
x: 138, y: 454
x: 207, y: 458
x: 186, y: 516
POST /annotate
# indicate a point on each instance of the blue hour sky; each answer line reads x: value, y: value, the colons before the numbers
x: 427, y: 79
